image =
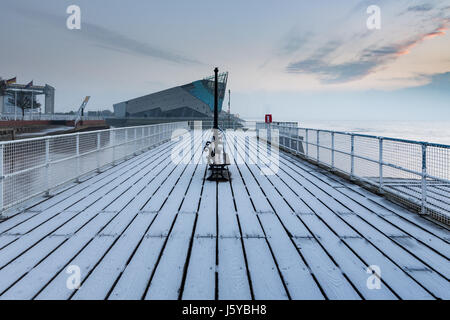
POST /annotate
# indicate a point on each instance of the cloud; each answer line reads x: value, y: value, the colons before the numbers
x: 293, y: 43
x: 112, y: 40
x: 367, y: 62
x: 338, y: 73
x: 106, y: 38
x: 438, y: 82
x: 420, y: 8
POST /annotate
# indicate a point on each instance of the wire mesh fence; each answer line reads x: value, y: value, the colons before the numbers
x: 33, y: 167
x: 413, y: 172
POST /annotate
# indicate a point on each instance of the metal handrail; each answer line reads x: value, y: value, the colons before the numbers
x: 380, y: 159
x: 16, y: 153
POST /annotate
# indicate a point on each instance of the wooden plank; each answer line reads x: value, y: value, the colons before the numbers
x: 425, y: 276
x: 345, y: 233
x: 247, y: 216
x: 343, y: 252
x: 103, y: 178
x: 166, y: 281
x: 88, y: 258
x: 382, y: 206
x: 7, y: 238
x: 133, y: 282
x: 206, y: 223
x: 426, y: 224
x: 102, y: 279
x: 227, y: 219
x: 250, y: 225
x: 201, y: 272
x: 394, y: 232
x: 265, y: 279
x: 334, y: 284
x: 45, y: 223
x: 232, y: 271
x: 419, y: 233
x: 16, y: 269
x: 139, y: 270
x: 389, y: 248
x: 69, y: 248
x: 40, y: 275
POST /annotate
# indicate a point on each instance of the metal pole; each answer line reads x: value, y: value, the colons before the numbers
x: 352, y: 170
x: 424, y: 178
x: 47, y: 166
x: 381, y: 163
x: 98, y: 151
x: 126, y: 143
x: 112, y: 141
x: 216, y: 100
x: 78, y: 156
x: 332, y: 150
x: 15, y: 105
x: 318, y: 148
x: 135, y: 141
x: 307, y: 143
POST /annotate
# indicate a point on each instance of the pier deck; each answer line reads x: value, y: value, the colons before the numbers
x: 148, y: 228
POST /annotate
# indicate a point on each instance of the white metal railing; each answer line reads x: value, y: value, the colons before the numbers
x: 414, y: 172
x: 33, y: 167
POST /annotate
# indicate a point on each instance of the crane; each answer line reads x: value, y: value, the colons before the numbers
x: 80, y: 112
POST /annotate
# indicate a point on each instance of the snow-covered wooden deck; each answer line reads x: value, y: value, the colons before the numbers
x: 150, y: 229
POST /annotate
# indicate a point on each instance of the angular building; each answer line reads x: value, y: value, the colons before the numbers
x: 190, y: 101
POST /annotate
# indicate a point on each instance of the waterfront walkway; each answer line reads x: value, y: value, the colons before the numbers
x: 148, y: 228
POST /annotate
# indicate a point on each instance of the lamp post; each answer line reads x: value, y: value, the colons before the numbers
x: 216, y: 100
x: 217, y: 158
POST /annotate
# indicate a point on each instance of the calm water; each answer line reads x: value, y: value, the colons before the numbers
x: 429, y: 131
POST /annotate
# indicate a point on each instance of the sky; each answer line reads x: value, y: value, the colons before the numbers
x: 312, y: 60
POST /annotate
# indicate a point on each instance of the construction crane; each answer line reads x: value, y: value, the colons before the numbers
x: 80, y: 112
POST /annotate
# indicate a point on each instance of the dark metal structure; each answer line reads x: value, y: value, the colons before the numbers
x: 217, y: 158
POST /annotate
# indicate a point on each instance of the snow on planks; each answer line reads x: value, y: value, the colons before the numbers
x: 152, y: 229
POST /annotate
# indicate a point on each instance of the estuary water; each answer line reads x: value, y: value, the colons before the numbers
x: 429, y: 131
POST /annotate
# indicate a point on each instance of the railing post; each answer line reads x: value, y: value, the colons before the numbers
x: 424, y: 178
x: 135, y: 141
x: 47, y: 166
x: 352, y: 170
x: 332, y: 150
x: 318, y: 146
x: 380, y: 160
x: 126, y: 143
x: 113, y: 145
x: 78, y: 155
x: 307, y: 143
x: 142, y: 138
x: 2, y: 178
x: 98, y: 151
